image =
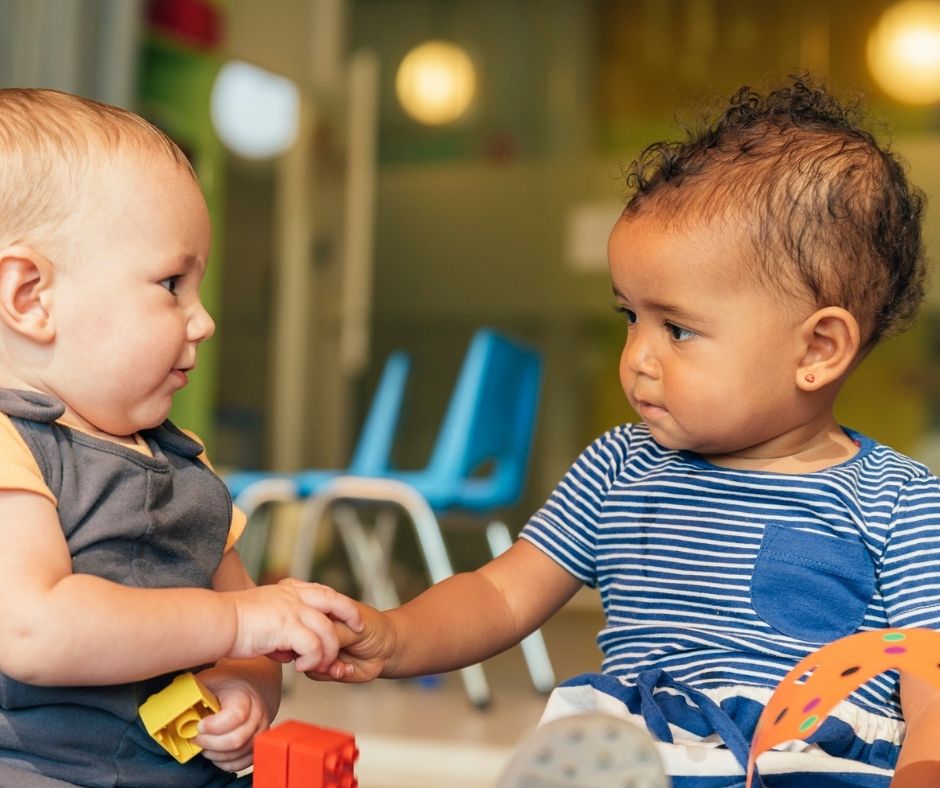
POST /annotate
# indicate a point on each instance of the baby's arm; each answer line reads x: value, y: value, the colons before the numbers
x: 60, y: 628
x: 459, y: 621
x: 248, y: 690
x: 919, y: 762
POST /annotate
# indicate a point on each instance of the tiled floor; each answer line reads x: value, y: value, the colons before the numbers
x: 411, y: 735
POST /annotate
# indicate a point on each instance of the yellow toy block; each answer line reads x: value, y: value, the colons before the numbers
x: 172, y: 715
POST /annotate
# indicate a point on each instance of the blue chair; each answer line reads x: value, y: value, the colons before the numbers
x: 478, y: 465
x: 251, y: 490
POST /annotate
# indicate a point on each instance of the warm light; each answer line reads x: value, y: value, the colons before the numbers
x: 435, y: 82
x: 254, y: 112
x: 904, y: 51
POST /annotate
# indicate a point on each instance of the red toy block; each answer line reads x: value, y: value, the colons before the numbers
x: 325, y: 759
x: 271, y: 748
x: 299, y: 755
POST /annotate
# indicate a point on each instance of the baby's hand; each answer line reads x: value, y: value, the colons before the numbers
x: 227, y: 737
x: 365, y: 653
x: 292, y: 617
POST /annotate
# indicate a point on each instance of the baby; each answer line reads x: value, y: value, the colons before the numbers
x: 737, y: 527
x: 116, y: 542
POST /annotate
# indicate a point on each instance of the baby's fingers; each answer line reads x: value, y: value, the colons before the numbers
x: 230, y: 761
x: 345, y: 635
x: 302, y: 639
x: 327, y: 647
x: 232, y: 716
x: 328, y: 602
x: 283, y: 656
x: 226, y: 738
x: 338, y: 671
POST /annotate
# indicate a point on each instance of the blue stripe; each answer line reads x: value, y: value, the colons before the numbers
x: 735, y: 719
x: 672, y: 543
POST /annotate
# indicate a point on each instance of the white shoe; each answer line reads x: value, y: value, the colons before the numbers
x: 586, y: 751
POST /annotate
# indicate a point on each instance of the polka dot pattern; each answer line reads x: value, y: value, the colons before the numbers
x: 825, y: 678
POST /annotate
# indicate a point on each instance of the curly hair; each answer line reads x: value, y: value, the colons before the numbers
x: 828, y: 211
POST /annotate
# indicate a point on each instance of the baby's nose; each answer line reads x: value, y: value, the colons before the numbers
x: 639, y: 356
x: 201, y: 325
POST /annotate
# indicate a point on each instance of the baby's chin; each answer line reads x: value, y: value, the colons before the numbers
x: 666, y: 438
x: 131, y: 425
x: 669, y: 440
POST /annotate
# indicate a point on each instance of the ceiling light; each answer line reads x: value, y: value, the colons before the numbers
x: 254, y: 112
x: 436, y: 82
x: 904, y: 51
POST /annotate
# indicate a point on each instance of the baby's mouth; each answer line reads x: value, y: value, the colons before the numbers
x: 648, y: 409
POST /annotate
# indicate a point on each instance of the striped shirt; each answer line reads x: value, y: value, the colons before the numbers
x: 725, y: 577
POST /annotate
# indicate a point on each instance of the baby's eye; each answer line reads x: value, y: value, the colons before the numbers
x: 170, y: 283
x: 629, y: 314
x: 678, y: 333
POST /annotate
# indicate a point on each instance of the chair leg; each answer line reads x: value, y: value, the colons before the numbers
x: 311, y: 514
x: 533, y: 645
x: 439, y: 567
x: 367, y: 560
x: 301, y: 567
x: 369, y: 554
x: 253, y: 543
x: 430, y: 542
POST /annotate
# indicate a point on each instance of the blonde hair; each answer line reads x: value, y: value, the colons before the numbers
x: 49, y: 141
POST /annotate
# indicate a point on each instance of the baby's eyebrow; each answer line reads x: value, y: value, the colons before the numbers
x: 675, y: 312
x: 678, y: 313
x: 188, y: 261
x: 670, y: 310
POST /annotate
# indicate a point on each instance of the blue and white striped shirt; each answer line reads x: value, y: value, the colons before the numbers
x: 724, y: 577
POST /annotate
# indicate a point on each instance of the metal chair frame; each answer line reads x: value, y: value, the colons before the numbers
x: 254, y: 490
x: 489, y: 423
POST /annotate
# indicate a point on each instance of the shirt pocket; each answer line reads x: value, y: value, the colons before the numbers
x: 810, y: 586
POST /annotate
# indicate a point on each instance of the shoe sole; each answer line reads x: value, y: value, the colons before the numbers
x: 586, y: 751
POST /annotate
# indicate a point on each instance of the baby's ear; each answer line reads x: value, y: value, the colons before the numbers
x: 25, y: 293
x: 831, y: 342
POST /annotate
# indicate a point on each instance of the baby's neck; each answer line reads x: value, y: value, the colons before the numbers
x: 10, y: 380
x: 69, y: 418
x: 814, y: 453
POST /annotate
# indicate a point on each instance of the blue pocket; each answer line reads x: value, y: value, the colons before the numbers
x: 811, y: 586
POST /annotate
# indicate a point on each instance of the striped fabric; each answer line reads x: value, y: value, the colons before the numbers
x: 726, y: 578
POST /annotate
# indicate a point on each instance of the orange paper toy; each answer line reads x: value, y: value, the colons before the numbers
x: 827, y: 676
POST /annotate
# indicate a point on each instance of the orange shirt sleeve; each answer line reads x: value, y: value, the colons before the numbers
x: 18, y: 468
x: 239, y: 520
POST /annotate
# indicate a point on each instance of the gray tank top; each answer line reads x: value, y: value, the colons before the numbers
x: 147, y: 522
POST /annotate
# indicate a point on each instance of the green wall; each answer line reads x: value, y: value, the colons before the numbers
x: 175, y: 84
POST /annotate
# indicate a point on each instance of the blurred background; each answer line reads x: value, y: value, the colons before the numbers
x: 388, y: 174
x: 348, y: 225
